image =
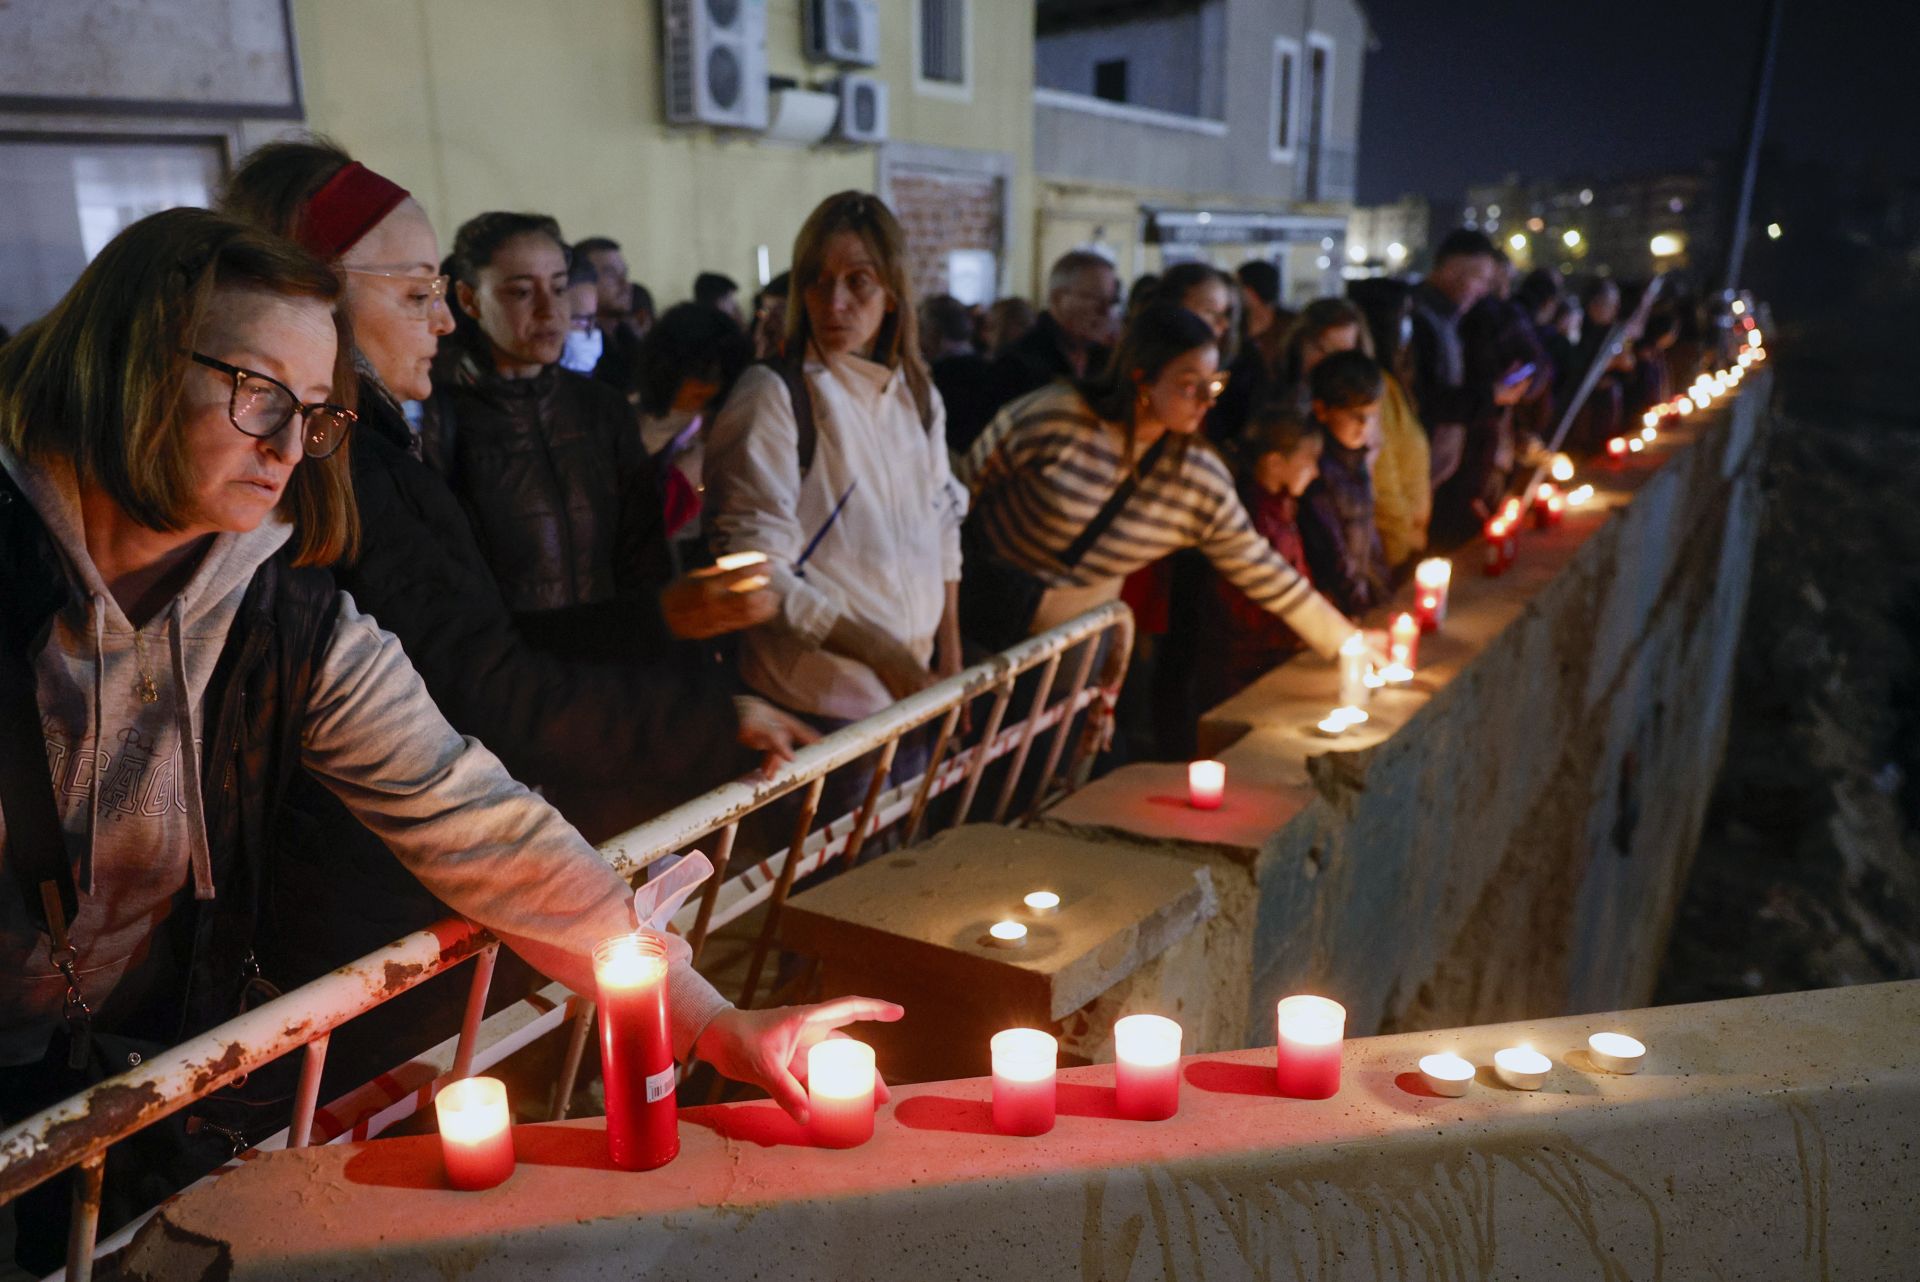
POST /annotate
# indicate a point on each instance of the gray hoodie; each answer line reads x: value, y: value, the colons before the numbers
x: 120, y: 711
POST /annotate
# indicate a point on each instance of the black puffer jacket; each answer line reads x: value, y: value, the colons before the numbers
x: 544, y: 466
x: 610, y: 744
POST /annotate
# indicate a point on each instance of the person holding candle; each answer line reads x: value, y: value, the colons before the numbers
x: 1048, y: 465
x: 174, y: 442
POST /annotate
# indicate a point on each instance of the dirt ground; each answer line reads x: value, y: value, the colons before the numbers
x: 1808, y: 873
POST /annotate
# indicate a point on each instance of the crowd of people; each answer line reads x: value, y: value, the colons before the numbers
x: 349, y: 583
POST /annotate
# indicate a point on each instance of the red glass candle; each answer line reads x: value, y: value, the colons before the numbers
x: 1308, y: 1055
x: 636, y: 1055
x: 476, y: 1132
x: 1206, y: 784
x: 1432, y: 579
x: 1496, y: 538
x: 1146, y: 1067
x: 1024, y: 1064
x: 840, y: 1081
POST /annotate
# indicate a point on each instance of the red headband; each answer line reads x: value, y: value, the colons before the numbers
x: 346, y: 208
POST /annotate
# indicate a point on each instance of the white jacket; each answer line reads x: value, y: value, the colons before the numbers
x: 886, y: 560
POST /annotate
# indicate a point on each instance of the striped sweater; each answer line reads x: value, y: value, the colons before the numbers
x: 1045, y: 467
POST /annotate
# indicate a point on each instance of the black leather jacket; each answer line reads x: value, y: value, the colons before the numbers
x: 544, y: 467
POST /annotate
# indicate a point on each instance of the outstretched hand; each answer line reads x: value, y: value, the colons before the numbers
x: 768, y: 1048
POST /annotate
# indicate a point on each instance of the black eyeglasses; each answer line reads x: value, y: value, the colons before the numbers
x: 261, y: 406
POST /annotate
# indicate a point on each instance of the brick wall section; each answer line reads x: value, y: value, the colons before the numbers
x: 942, y: 213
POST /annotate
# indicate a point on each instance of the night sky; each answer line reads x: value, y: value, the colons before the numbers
x: 1469, y: 92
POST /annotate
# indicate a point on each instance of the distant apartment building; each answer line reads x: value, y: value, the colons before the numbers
x: 1227, y: 130
x: 1389, y: 239
x: 1631, y: 226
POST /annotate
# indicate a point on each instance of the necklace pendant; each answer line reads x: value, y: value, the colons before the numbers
x: 145, y: 688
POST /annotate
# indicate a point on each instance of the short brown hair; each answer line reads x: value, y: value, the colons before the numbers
x: 99, y: 379
x: 866, y: 216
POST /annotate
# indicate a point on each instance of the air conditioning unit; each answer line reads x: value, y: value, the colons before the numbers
x: 843, y: 31
x: 716, y: 62
x: 863, y: 109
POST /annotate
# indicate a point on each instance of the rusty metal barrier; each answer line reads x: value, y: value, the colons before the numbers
x: 1095, y: 648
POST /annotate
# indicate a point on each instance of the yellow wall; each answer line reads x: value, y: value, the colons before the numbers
x: 555, y: 105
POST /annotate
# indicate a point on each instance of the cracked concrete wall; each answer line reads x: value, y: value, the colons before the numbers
x: 1520, y: 847
x: 1514, y: 843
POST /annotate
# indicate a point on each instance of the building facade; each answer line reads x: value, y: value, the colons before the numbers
x: 1389, y: 239
x: 1215, y: 129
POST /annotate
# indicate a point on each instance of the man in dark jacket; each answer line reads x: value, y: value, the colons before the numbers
x: 962, y: 374
x: 1072, y: 337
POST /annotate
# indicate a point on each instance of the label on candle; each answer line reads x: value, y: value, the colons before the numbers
x: 660, y: 1085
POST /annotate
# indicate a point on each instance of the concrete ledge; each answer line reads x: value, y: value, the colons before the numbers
x: 1510, y: 836
x: 1766, y: 1139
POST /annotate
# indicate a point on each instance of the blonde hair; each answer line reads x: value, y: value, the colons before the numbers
x: 866, y: 216
x: 100, y: 379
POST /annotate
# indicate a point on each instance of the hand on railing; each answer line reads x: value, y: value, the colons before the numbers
x: 768, y: 1048
x: 771, y: 732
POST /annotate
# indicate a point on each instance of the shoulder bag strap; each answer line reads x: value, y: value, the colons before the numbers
x: 1090, y: 535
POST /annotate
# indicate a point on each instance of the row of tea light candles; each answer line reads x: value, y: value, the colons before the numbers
x: 1146, y: 1071
x: 642, y: 1125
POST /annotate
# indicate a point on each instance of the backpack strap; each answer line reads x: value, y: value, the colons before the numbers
x: 806, y: 435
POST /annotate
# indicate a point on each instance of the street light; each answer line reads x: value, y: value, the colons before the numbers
x: 1773, y: 231
x: 1571, y: 238
x: 1357, y: 253
x: 1517, y: 242
x: 1666, y: 244
x: 1396, y: 251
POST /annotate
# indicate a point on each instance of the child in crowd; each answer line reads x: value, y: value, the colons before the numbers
x: 1337, y: 525
x: 1284, y: 453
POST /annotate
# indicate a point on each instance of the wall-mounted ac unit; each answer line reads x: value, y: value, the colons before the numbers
x: 716, y: 62
x: 843, y: 31
x: 863, y: 110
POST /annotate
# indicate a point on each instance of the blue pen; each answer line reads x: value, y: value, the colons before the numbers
x: 799, y: 566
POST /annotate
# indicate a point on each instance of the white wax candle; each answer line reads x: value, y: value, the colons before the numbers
x: 1354, y: 690
x: 1616, y: 1052
x: 840, y: 1092
x: 1446, y: 1073
x: 1042, y: 903
x: 1007, y: 934
x: 1522, y: 1067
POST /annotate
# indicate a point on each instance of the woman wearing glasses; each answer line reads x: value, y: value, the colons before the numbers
x: 173, y: 474
x: 1080, y: 484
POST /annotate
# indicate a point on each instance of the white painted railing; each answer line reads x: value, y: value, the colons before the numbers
x: 1094, y: 649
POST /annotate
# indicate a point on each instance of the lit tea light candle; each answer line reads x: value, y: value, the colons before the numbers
x: 1024, y: 1064
x: 1683, y: 407
x: 476, y: 1132
x: 1432, y: 580
x: 1522, y: 1067
x: 1446, y: 1074
x: 739, y: 561
x: 636, y: 1054
x: 1007, y: 934
x: 1146, y: 1067
x: 1375, y: 680
x: 1042, y: 903
x: 1206, y: 784
x: 1307, y: 1059
x: 1650, y: 418
x: 1649, y: 435
x: 1341, y: 720
x: 1616, y: 446
x: 752, y: 583
x: 1403, y: 646
x: 1562, y: 468
x: 1397, y: 674
x: 1616, y: 1052
x: 1581, y: 496
x: 840, y: 1092
x: 1548, y: 506
x: 1636, y: 445
x: 1353, y: 671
